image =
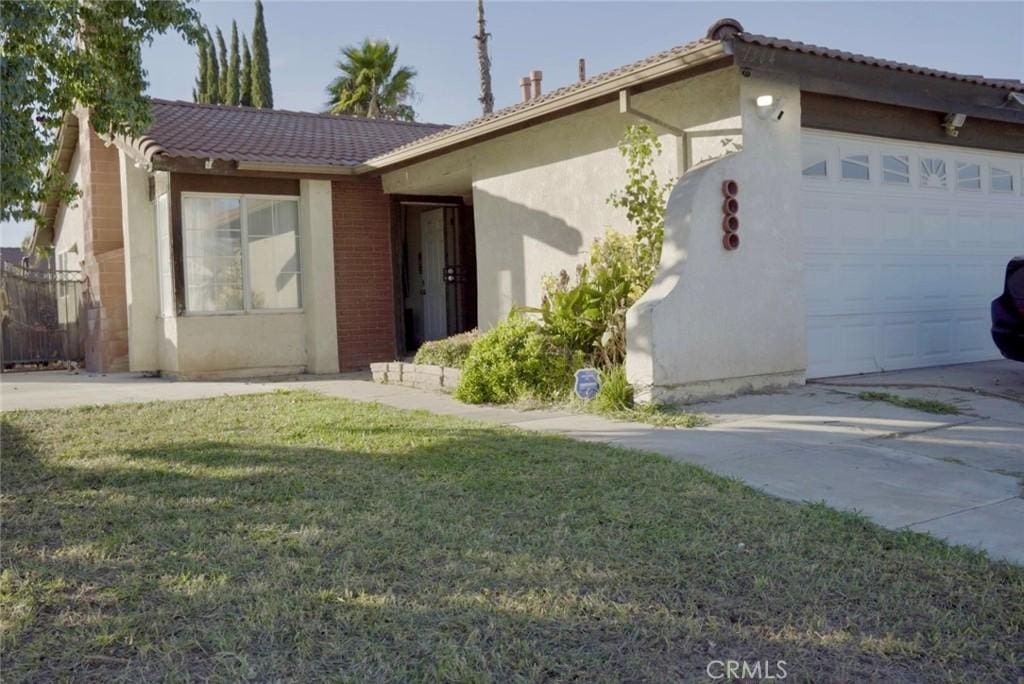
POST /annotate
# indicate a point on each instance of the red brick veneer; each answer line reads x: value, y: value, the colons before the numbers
x: 363, y: 275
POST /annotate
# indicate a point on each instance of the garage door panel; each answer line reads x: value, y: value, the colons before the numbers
x: 897, y: 227
x: 899, y: 341
x: 972, y: 335
x: 899, y: 271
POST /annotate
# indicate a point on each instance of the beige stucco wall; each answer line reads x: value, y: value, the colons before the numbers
x: 231, y: 345
x: 139, y: 226
x: 69, y: 226
x: 539, y: 195
x: 717, y: 321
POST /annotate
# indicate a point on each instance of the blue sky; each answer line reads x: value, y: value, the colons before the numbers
x: 436, y: 39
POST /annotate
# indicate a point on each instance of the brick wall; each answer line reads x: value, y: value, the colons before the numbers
x: 106, y: 308
x: 363, y: 272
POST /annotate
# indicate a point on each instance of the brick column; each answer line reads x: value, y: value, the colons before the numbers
x: 106, y: 313
x: 363, y: 275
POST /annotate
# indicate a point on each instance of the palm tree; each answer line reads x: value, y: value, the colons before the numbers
x: 371, y: 84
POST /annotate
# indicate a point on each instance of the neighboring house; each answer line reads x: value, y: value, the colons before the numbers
x: 15, y: 256
x: 878, y: 204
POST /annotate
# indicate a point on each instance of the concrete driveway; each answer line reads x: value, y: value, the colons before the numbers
x: 958, y: 477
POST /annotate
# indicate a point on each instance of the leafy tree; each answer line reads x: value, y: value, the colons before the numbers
x: 203, y: 78
x: 50, y: 64
x: 245, y: 78
x: 222, y: 68
x: 262, y: 93
x: 371, y: 84
x: 212, y: 71
x: 232, y: 92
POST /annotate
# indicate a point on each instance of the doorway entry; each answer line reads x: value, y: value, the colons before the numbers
x: 438, y: 271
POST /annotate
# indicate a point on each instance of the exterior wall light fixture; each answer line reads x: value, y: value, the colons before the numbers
x: 769, y: 107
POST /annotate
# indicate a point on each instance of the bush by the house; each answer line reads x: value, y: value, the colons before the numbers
x: 582, y: 322
x: 515, y: 360
x: 589, y: 316
x: 450, y: 352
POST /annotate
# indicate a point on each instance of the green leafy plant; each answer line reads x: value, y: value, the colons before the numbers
x: 515, y: 360
x: 450, y: 352
x: 59, y: 55
x: 590, y: 316
x: 643, y: 198
x: 615, y: 394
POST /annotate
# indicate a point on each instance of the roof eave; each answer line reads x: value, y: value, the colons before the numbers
x: 63, y: 152
x: 831, y: 75
x: 329, y: 169
x: 516, y: 119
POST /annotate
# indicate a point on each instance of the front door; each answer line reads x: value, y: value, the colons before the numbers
x: 435, y: 311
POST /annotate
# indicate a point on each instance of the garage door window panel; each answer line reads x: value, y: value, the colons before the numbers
x: 968, y: 176
x: 933, y: 173
x: 856, y: 167
x: 896, y: 169
x: 1002, y: 180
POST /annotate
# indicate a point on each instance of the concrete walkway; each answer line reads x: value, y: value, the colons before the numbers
x: 958, y: 477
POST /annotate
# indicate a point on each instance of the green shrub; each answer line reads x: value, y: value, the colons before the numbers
x: 512, y: 361
x: 450, y: 352
x: 615, y: 394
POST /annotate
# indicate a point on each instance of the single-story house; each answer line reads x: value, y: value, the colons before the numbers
x: 876, y: 204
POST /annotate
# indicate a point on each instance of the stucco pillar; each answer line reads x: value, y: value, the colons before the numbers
x: 715, y: 321
x: 140, y: 267
x: 316, y: 252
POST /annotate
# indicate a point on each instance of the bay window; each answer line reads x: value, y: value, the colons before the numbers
x: 241, y: 253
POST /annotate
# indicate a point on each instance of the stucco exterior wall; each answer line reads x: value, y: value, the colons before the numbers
x: 240, y: 344
x: 539, y: 195
x: 716, y: 321
x: 69, y: 225
x: 143, y: 299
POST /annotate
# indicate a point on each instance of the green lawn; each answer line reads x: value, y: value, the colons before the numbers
x: 296, y: 537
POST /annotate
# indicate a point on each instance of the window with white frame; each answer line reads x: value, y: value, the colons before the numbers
x: 1001, y: 180
x: 241, y: 253
x: 856, y: 167
x: 896, y: 169
x: 933, y: 173
x: 968, y: 176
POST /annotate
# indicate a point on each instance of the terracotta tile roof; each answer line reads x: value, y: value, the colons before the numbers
x: 804, y: 48
x: 186, y: 129
x: 663, y: 56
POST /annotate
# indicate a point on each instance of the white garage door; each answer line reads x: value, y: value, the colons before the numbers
x: 905, y: 246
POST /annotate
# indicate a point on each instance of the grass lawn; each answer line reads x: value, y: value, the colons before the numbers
x: 297, y: 537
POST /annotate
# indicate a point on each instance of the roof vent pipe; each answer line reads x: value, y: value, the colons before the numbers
x: 583, y: 70
x: 536, y: 75
x: 524, y: 87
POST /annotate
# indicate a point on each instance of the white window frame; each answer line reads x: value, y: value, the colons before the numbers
x: 845, y: 156
x: 247, y: 309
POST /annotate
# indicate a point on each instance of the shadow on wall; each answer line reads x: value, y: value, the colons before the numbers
x: 509, y: 267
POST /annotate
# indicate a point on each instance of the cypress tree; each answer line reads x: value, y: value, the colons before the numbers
x: 212, y: 72
x: 262, y: 94
x: 222, y: 62
x: 199, y: 92
x: 233, y: 76
x: 245, y: 78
